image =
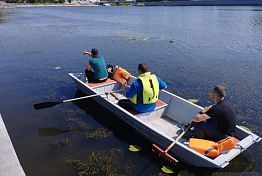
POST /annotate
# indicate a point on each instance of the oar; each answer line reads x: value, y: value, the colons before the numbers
x: 163, y: 152
x: 53, y: 103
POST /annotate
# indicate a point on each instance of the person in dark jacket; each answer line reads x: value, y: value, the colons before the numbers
x: 217, y: 121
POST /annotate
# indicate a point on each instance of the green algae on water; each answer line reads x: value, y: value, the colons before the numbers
x: 99, y: 133
x: 101, y: 163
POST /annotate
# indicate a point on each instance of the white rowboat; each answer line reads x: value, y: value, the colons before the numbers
x: 163, y: 125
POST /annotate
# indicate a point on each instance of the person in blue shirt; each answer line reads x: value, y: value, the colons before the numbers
x: 143, y: 93
x: 96, y: 68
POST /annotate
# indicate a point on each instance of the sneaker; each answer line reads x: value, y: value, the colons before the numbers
x: 186, y: 143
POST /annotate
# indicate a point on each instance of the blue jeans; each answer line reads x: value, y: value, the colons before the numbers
x: 205, y: 130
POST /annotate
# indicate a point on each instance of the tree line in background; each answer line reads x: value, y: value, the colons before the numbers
x: 62, y: 1
x: 34, y: 1
x: 155, y: 0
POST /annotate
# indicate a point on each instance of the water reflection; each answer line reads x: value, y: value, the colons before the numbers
x: 42, y: 132
x: 230, y: 9
x: 257, y: 20
x: 239, y: 165
x: 1, y: 17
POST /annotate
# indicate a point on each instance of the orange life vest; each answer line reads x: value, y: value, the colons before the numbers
x: 210, y: 148
x: 121, y: 75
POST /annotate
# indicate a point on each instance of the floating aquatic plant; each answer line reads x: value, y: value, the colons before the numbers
x: 245, y: 128
x: 101, y: 163
x: 167, y: 170
x: 134, y: 148
x: 133, y: 37
x: 193, y: 100
x: 99, y: 133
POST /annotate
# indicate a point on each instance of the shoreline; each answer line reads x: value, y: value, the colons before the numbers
x: 20, y: 5
x: 4, y: 5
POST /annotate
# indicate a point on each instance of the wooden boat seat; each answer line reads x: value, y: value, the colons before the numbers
x: 107, y: 82
x: 159, y: 104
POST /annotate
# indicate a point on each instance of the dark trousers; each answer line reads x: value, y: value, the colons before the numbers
x: 126, y: 104
x: 91, y: 77
x: 205, y: 130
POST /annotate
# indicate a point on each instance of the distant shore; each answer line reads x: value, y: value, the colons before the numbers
x: 14, y: 5
x: 159, y: 3
x: 206, y: 3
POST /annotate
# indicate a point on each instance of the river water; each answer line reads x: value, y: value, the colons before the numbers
x: 191, y: 48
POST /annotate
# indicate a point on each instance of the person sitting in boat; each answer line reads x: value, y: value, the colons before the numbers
x: 96, y: 68
x: 143, y: 93
x: 217, y: 121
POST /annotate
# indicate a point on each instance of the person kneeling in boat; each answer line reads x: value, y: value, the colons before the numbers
x: 96, y: 68
x: 217, y: 121
x: 143, y: 93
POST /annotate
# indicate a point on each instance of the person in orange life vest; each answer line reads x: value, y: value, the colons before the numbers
x: 143, y: 93
x: 96, y: 68
x: 217, y: 121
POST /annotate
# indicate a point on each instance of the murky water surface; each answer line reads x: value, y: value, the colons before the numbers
x: 191, y: 48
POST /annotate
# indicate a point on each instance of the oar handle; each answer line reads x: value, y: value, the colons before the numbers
x: 180, y: 136
x: 90, y: 96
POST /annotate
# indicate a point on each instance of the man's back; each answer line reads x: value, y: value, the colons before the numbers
x: 99, y: 67
x: 223, y: 117
x: 137, y: 88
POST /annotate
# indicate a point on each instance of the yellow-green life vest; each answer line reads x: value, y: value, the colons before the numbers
x: 150, y: 91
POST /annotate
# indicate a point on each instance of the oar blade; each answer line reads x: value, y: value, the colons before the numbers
x: 45, y: 105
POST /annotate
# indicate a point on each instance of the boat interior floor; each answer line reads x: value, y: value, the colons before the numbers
x: 164, y: 125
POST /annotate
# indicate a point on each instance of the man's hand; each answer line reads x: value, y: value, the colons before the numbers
x: 124, y: 82
x: 87, y: 53
x: 207, y: 108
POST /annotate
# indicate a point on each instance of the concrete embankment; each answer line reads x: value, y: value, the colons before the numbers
x: 10, y: 165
